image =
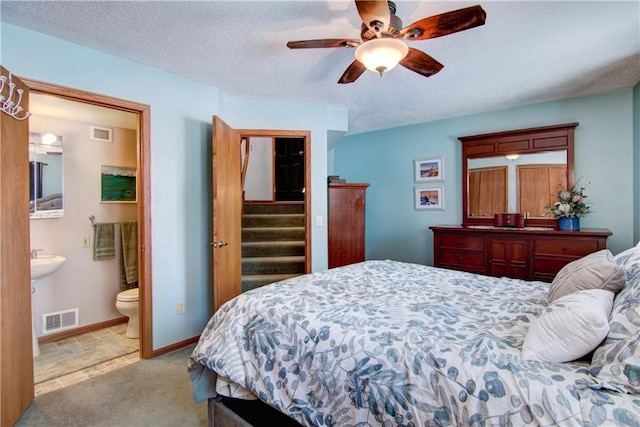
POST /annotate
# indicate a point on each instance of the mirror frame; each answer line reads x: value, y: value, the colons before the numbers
x: 520, y: 141
x: 35, y: 140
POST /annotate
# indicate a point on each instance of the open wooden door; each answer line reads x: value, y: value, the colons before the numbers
x: 16, y: 351
x: 227, y: 213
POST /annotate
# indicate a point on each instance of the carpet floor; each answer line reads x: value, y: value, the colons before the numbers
x: 154, y: 392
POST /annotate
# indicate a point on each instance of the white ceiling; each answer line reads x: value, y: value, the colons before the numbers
x: 527, y: 52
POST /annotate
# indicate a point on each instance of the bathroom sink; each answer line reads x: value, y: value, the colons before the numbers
x: 45, y: 264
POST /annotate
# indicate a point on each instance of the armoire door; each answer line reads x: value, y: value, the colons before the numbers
x: 346, y: 223
x: 227, y: 213
x: 16, y: 352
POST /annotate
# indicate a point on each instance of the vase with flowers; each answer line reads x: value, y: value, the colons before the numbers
x: 570, y: 207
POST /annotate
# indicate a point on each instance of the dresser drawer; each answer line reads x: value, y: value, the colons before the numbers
x: 550, y: 266
x: 461, y: 242
x: 470, y: 261
x: 572, y: 248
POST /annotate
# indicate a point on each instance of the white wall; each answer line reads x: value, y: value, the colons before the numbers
x: 181, y: 111
x: 81, y: 282
x: 258, y: 181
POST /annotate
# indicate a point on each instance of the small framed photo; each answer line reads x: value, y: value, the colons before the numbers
x: 118, y: 184
x: 427, y: 170
x: 429, y: 198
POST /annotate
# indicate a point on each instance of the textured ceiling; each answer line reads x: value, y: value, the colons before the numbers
x: 527, y: 52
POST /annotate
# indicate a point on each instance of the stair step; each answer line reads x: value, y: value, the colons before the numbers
x: 273, y: 208
x: 254, y: 281
x: 271, y: 220
x: 273, y: 265
x: 257, y: 234
x: 281, y: 248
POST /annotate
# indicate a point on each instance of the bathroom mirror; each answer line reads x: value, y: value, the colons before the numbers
x: 45, y: 176
x: 516, y: 171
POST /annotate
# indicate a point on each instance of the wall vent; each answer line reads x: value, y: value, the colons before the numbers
x: 100, y: 134
x: 61, y: 320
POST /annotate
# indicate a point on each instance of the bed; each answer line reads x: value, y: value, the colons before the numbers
x: 392, y: 343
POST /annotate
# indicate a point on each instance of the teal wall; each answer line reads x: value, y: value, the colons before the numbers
x: 181, y: 111
x: 604, y: 155
x: 636, y: 161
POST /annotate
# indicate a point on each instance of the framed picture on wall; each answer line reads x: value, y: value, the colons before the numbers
x: 118, y: 184
x: 429, y: 198
x: 430, y: 169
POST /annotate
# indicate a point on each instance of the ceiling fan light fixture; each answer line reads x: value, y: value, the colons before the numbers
x: 380, y: 55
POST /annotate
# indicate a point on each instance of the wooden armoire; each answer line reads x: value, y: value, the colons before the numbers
x: 346, y: 223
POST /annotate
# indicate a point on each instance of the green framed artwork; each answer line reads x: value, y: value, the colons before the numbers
x: 118, y: 184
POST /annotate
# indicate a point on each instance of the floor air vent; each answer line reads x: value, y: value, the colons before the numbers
x: 52, y: 322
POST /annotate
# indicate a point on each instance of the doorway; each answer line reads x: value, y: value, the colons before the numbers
x: 291, y: 173
x: 143, y: 209
x: 227, y: 176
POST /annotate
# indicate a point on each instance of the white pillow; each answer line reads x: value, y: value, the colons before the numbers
x: 570, y: 327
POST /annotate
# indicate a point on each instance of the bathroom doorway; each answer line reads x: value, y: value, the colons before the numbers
x: 142, y: 210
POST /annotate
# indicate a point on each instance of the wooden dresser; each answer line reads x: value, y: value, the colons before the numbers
x: 346, y: 223
x: 533, y: 253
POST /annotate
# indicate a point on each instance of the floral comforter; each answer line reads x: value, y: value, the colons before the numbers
x: 390, y: 343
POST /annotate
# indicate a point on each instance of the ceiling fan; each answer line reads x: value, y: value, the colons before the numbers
x: 382, y: 44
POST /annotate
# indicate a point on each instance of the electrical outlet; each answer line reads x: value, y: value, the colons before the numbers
x: 85, y: 241
x: 180, y: 309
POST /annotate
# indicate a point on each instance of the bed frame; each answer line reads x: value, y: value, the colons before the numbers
x: 229, y: 412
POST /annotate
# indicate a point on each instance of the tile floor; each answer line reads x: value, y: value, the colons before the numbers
x: 67, y: 379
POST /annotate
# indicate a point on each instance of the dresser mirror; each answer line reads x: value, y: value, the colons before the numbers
x: 516, y: 171
x: 45, y: 176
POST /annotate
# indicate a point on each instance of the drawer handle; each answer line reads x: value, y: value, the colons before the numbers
x: 459, y: 258
x: 490, y: 262
x: 459, y: 242
x: 564, y: 248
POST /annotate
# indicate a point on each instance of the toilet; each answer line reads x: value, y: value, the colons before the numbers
x: 127, y: 304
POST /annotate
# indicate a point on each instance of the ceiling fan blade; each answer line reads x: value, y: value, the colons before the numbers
x: 374, y: 14
x: 445, y: 23
x: 352, y: 72
x: 421, y: 63
x: 307, y: 44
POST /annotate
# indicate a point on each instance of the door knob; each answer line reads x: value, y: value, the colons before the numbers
x: 219, y: 244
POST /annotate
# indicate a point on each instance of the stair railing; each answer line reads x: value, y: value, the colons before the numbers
x: 245, y: 163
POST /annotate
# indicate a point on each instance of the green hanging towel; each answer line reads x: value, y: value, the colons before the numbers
x: 104, y: 247
x: 129, y: 230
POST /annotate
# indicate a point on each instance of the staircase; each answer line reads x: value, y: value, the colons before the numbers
x: 273, y: 237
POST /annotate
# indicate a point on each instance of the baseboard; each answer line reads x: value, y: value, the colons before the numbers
x: 175, y: 346
x: 82, y: 330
